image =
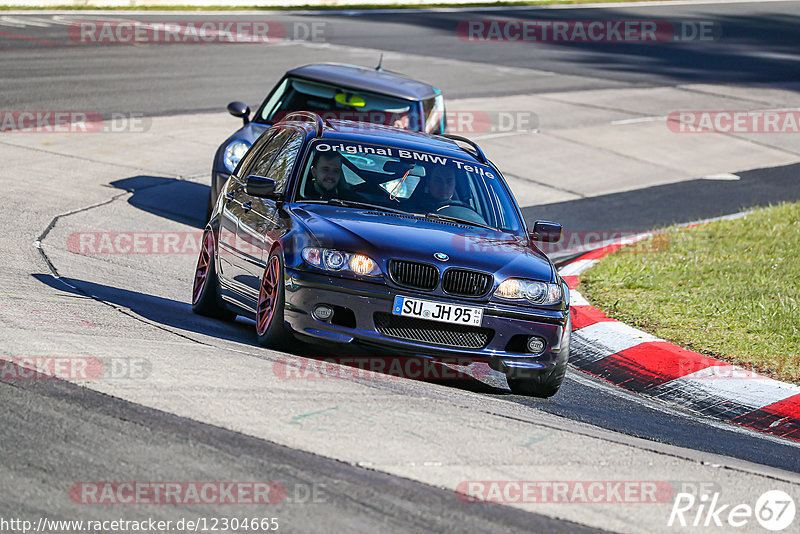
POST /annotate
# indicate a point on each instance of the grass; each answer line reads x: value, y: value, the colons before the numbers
x: 310, y: 7
x: 729, y: 289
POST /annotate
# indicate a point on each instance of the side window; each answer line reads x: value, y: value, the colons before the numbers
x: 281, y: 168
x: 265, y: 157
x: 252, y: 155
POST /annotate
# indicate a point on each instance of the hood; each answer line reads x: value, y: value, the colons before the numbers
x: 384, y: 236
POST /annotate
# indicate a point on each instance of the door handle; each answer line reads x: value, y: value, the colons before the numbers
x: 247, y: 206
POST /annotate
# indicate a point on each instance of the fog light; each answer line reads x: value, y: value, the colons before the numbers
x: 323, y: 312
x: 536, y: 344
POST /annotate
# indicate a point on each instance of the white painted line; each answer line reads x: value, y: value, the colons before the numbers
x: 756, y: 393
x: 763, y: 54
x: 725, y: 176
x: 640, y: 119
x: 26, y: 21
x: 11, y: 21
x: 611, y: 337
x: 576, y: 268
x: 503, y: 134
x: 730, y: 217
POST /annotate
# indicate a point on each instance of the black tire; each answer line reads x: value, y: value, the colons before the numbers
x: 271, y: 332
x: 205, y: 298
x: 545, y: 384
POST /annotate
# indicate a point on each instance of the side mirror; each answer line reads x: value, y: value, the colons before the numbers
x: 258, y: 186
x: 546, y: 231
x: 240, y: 109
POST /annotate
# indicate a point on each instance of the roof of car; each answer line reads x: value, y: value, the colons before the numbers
x: 355, y: 77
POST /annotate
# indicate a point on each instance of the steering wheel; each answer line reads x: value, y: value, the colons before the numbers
x: 448, y: 203
x: 462, y: 210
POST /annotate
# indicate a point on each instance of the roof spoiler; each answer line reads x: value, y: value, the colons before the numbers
x: 471, y: 143
x: 308, y: 116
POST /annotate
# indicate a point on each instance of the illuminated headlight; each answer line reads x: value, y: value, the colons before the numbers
x: 530, y: 290
x: 234, y: 153
x: 363, y: 265
x: 336, y: 260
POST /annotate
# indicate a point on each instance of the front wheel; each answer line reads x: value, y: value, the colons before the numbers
x: 205, y: 291
x: 269, y: 310
x: 543, y: 385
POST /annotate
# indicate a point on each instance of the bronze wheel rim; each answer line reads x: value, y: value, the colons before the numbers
x: 203, y: 266
x: 267, y: 296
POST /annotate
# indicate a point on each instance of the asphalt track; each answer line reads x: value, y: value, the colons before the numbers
x: 758, y: 45
x: 102, y: 438
x: 66, y: 422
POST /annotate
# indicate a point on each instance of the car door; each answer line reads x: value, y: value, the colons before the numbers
x: 231, y: 274
x: 262, y: 224
x: 246, y: 262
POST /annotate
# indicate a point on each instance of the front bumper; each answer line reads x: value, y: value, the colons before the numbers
x: 507, y: 324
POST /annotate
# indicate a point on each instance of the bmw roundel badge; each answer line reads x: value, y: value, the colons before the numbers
x: 441, y: 256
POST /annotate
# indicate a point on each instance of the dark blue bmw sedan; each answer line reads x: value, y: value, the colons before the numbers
x: 349, y: 233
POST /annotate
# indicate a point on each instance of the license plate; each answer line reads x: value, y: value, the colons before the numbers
x: 437, y: 311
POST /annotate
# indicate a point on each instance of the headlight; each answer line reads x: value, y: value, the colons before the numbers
x: 363, y: 265
x: 234, y: 153
x: 336, y: 260
x: 530, y: 290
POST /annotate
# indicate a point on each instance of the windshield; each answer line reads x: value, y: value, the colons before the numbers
x: 407, y: 181
x: 331, y: 102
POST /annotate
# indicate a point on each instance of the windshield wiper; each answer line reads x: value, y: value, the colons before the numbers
x: 448, y: 218
x: 366, y: 205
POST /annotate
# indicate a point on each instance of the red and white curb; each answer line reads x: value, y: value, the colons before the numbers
x: 642, y: 363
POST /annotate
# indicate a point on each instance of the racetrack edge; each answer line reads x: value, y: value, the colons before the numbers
x: 639, y: 362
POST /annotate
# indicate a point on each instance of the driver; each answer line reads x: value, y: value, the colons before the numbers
x: 439, y: 190
x: 326, y: 177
